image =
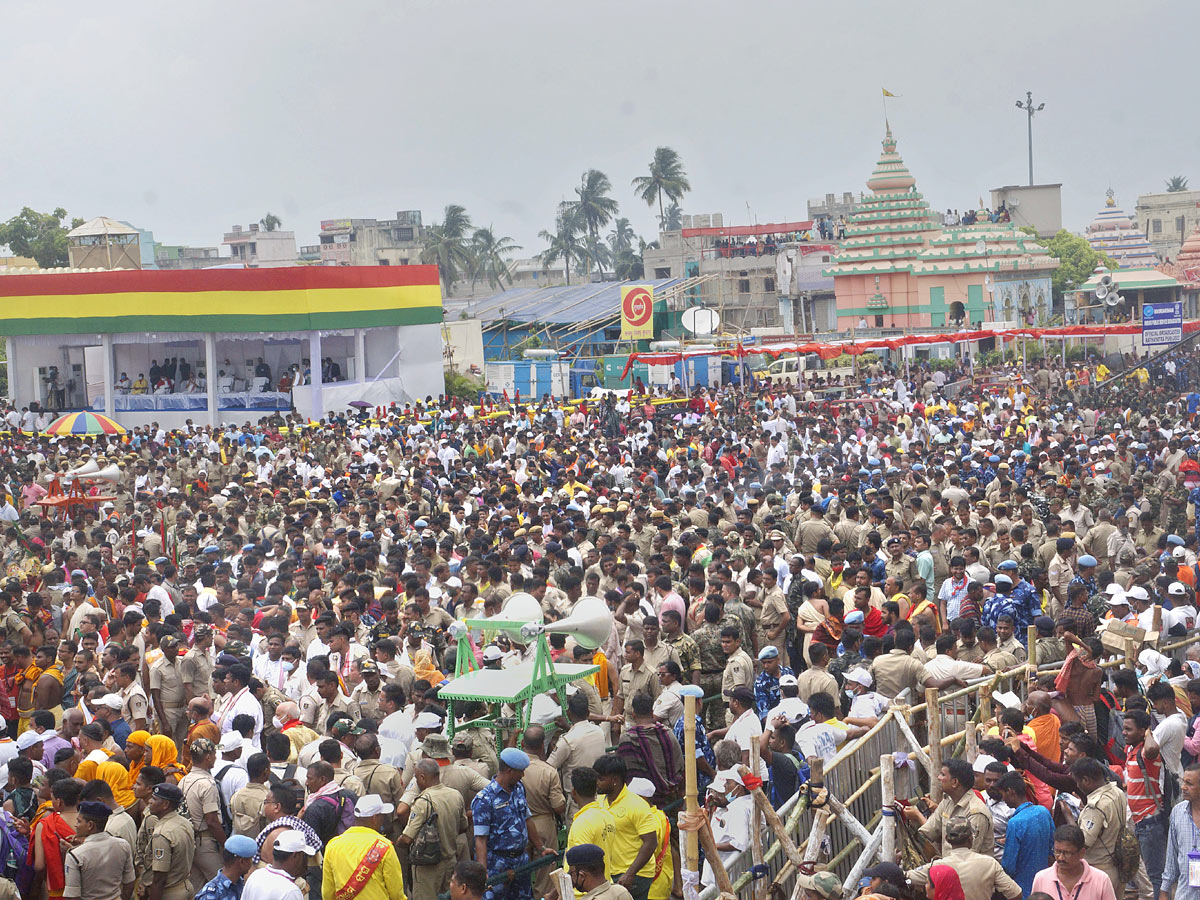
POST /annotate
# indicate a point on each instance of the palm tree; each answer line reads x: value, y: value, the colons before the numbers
x: 1176, y: 183
x: 621, y: 237
x: 270, y: 222
x: 446, y: 245
x: 666, y: 179
x: 673, y: 220
x: 594, y: 209
x: 563, y: 243
x: 597, y: 252
x: 489, y: 257
x: 627, y: 265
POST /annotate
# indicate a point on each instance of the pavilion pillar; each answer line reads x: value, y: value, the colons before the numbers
x: 107, y: 369
x: 210, y: 376
x: 360, y: 355
x: 16, y: 393
x: 314, y: 366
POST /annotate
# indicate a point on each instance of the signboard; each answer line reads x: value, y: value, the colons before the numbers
x: 335, y: 225
x: 637, y: 312
x: 1162, y: 323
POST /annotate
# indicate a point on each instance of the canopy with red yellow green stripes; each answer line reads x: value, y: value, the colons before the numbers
x: 294, y: 298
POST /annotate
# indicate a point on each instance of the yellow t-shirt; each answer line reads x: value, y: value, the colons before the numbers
x: 660, y: 887
x: 634, y: 817
x: 593, y: 824
x: 342, y: 857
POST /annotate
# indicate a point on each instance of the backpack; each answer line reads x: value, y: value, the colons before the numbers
x: 1127, y: 854
x: 426, y: 848
x: 226, y: 815
x: 289, y: 772
x: 1114, y: 745
x: 345, y: 811
x: 15, y: 862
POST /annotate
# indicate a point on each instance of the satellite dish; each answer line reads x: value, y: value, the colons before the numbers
x: 700, y: 320
x: 1013, y: 202
x: 981, y: 246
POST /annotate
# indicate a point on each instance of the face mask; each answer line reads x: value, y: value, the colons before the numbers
x: 287, y: 666
x: 277, y: 722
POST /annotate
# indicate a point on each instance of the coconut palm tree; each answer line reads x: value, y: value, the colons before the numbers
x: 563, y: 243
x: 666, y: 179
x: 627, y: 265
x: 621, y: 237
x: 446, y: 245
x: 1177, y: 183
x: 673, y: 220
x: 489, y: 257
x: 270, y: 222
x: 598, y: 253
x: 594, y: 208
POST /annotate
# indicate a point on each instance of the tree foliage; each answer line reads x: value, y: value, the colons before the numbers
x: 42, y: 236
x: 270, y: 222
x: 666, y: 179
x: 489, y: 257
x: 1177, y: 183
x: 447, y: 245
x: 1076, y: 261
x: 564, y: 244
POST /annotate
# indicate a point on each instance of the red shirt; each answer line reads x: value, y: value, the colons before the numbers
x: 1142, y: 787
x: 873, y: 623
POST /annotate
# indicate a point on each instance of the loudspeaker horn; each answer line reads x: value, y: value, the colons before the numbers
x: 590, y: 623
x: 521, y: 607
x: 108, y: 473
x: 88, y: 468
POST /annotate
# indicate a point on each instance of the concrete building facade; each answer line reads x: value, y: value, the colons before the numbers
x: 373, y: 242
x: 259, y: 249
x: 1167, y: 219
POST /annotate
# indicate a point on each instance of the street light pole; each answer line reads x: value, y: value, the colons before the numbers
x: 1030, y: 109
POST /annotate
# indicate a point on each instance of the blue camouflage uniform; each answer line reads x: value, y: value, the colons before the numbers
x: 703, y: 748
x: 766, y: 690
x: 500, y: 816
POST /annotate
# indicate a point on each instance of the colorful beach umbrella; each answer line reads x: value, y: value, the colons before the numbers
x: 83, y: 423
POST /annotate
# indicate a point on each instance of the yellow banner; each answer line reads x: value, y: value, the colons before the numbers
x: 637, y: 312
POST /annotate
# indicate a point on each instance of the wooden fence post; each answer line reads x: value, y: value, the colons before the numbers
x: 692, y: 805
x: 887, y: 788
x: 933, y: 716
x: 756, y: 850
x: 1031, y: 652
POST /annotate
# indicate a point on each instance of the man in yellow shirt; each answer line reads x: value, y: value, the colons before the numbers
x: 360, y: 863
x: 636, y: 837
x: 594, y: 823
x: 664, y: 861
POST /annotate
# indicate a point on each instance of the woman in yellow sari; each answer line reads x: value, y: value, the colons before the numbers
x: 117, y: 778
x: 145, y: 749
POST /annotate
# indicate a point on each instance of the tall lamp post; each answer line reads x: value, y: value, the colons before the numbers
x: 1030, y: 109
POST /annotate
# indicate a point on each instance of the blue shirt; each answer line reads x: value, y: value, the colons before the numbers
x: 500, y: 817
x: 221, y: 888
x: 1182, y: 838
x: 120, y: 731
x: 1028, y: 842
x: 703, y: 749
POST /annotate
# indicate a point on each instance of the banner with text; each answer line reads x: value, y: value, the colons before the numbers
x: 637, y: 312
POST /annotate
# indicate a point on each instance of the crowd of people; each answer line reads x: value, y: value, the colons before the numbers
x: 176, y: 375
x: 226, y: 681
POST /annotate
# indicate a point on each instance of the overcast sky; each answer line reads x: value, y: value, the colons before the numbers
x: 188, y: 119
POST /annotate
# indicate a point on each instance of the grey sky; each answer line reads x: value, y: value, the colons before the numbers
x: 187, y: 119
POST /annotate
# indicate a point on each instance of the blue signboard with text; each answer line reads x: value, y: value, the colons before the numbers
x: 1162, y: 323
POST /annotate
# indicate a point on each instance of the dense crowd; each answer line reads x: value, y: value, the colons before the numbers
x: 222, y: 677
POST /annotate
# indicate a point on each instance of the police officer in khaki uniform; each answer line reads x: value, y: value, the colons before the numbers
x: 447, y: 803
x: 166, y: 690
x: 196, y: 668
x: 100, y: 866
x: 545, y: 797
x: 172, y: 846
x: 586, y: 865
x: 378, y: 778
x: 200, y: 790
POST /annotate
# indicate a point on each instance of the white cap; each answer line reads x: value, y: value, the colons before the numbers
x: 27, y: 739
x: 982, y: 761
x: 491, y: 653
x: 1118, y: 599
x: 859, y: 676
x: 1179, y: 553
x: 1176, y: 589
x: 230, y: 741
x: 1113, y: 589
x: 788, y: 681
x: 112, y: 701
x: 1137, y: 592
x: 643, y: 787
x: 429, y: 721
x: 371, y: 805
x: 292, y: 841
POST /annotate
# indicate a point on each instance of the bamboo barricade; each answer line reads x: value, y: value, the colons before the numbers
x: 860, y: 821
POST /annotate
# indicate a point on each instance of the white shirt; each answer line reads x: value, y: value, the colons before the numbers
x: 819, y: 739
x: 270, y: 671
x: 243, y: 702
x: 747, y: 728
x: 732, y: 824
x: 1170, y: 733
x: 234, y: 780
x: 270, y: 883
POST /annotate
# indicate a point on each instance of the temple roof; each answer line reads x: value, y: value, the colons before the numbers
x: 890, y: 172
x: 1115, y: 233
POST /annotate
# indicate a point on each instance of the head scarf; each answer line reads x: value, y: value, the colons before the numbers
x: 138, y: 739
x: 164, y: 754
x: 117, y: 778
x: 946, y: 885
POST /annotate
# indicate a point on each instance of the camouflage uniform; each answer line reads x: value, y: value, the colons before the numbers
x: 500, y: 816
x: 712, y: 666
